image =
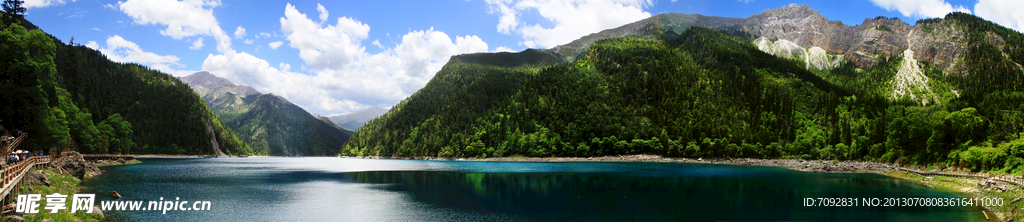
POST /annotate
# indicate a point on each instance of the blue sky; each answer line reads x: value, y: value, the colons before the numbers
x: 334, y: 57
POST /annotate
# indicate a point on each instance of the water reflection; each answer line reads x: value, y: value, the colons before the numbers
x: 592, y: 196
x: 330, y: 189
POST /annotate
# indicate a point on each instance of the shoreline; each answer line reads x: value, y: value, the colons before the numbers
x: 816, y: 166
x: 184, y: 156
x: 179, y: 156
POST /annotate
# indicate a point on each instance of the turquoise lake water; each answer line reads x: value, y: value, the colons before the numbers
x: 336, y: 189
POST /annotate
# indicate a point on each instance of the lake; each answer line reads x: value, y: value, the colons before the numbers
x: 338, y: 189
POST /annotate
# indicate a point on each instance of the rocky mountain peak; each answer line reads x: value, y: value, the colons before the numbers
x: 204, y: 81
x: 355, y: 120
x: 861, y: 44
x: 792, y: 11
x: 211, y: 88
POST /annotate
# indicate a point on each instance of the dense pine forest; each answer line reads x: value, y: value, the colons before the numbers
x: 68, y: 96
x: 705, y: 93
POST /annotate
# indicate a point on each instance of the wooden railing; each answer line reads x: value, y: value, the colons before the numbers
x: 11, y: 174
x: 10, y: 147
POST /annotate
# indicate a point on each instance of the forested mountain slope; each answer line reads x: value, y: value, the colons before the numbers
x: 708, y: 93
x: 268, y: 123
x: 71, y: 96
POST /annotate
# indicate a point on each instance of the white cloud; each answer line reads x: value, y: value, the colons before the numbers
x: 274, y: 45
x: 507, y: 22
x: 1004, y: 12
x: 263, y: 34
x: 381, y: 79
x: 324, y: 47
x: 284, y: 67
x: 377, y: 43
x: 183, y: 19
x: 423, y: 53
x: 572, y: 19
x: 920, y: 8
x: 323, y: 12
x: 504, y: 49
x: 325, y: 93
x: 120, y: 50
x: 73, y: 13
x: 41, y: 3
x: 248, y: 41
x: 239, y: 32
x: 198, y: 44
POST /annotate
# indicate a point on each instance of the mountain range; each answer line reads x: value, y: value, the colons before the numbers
x: 799, y: 32
x: 268, y: 123
x: 784, y: 83
x: 352, y: 121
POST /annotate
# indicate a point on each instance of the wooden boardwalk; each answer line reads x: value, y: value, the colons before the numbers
x: 13, y: 145
x: 1007, y: 179
x: 12, y: 174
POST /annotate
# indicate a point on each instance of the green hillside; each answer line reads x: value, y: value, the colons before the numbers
x: 70, y: 96
x: 274, y: 126
x: 710, y: 94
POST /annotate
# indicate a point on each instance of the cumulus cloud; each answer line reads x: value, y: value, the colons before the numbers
x: 198, y: 44
x: 239, y: 32
x: 183, y: 19
x: 504, y: 49
x: 1004, y: 12
x: 326, y: 93
x: 41, y: 3
x: 920, y: 8
x: 324, y: 47
x: 274, y: 45
x: 572, y: 19
x: 121, y: 50
x: 339, y: 85
x: 423, y: 53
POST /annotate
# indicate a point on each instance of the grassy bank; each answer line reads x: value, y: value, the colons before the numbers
x: 59, y: 183
x: 102, y: 163
x: 64, y: 184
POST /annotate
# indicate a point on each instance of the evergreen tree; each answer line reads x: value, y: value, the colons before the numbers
x: 14, y: 7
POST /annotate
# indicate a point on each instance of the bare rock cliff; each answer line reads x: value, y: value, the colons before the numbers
x: 942, y: 45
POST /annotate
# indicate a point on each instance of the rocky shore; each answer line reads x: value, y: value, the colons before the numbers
x: 75, y: 165
x: 795, y: 164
